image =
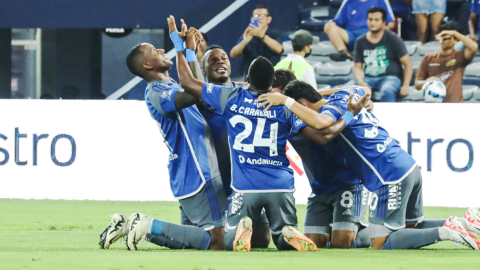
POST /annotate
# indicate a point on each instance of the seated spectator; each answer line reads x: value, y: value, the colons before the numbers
x: 350, y: 23
x: 379, y: 56
x: 259, y: 40
x: 201, y: 47
x: 302, y: 48
x: 428, y: 12
x: 447, y: 65
x: 473, y: 25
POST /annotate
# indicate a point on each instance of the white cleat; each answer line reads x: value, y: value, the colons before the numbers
x: 459, y: 235
x: 472, y: 215
x: 118, y: 227
x: 137, y: 230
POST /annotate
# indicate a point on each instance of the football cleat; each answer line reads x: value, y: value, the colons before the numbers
x: 118, y: 227
x: 244, y: 235
x: 138, y: 229
x: 472, y: 215
x: 460, y: 235
x: 298, y: 240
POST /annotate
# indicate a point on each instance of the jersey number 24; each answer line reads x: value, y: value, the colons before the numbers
x: 258, y: 139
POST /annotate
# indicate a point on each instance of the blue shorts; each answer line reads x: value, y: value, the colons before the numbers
x: 429, y: 6
x: 353, y: 34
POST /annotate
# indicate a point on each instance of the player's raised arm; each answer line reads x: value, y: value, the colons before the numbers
x: 186, y: 78
x: 310, y: 117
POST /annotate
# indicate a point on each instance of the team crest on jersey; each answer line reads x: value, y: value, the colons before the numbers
x: 209, y: 88
x: 248, y: 100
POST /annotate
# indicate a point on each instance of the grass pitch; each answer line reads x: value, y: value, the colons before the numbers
x: 46, y: 234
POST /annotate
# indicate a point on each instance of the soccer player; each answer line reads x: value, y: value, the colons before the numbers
x: 194, y: 175
x: 261, y: 178
x: 216, y: 69
x: 388, y: 171
x: 337, y: 196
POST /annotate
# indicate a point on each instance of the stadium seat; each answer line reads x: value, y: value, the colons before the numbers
x: 476, y: 94
x: 468, y: 91
x: 334, y: 69
x: 428, y: 47
x: 473, y: 70
x: 415, y: 95
x: 324, y: 48
x: 412, y: 46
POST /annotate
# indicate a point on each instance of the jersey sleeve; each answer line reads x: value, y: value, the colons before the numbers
x: 341, y: 18
x: 163, y: 99
x: 216, y: 95
x: 296, y: 122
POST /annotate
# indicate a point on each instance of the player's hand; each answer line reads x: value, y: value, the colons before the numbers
x: 369, y: 106
x: 404, y: 91
x: 270, y: 99
x: 172, y: 27
x: 356, y: 106
x: 474, y: 37
x: 446, y: 33
x: 192, y: 38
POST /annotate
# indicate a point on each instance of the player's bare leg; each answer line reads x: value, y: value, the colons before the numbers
x: 321, y: 240
x: 261, y: 237
x: 216, y: 242
x: 378, y: 242
x: 342, y: 239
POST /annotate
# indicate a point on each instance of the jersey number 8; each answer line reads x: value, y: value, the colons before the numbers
x: 258, y: 139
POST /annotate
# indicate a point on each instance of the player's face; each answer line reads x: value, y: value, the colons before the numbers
x: 217, y: 66
x: 202, y: 45
x: 375, y: 22
x: 155, y: 58
x: 263, y: 17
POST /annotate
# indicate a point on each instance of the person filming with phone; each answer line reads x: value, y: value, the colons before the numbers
x: 258, y: 40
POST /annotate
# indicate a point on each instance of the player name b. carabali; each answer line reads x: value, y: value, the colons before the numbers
x: 254, y: 112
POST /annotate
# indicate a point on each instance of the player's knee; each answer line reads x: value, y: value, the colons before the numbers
x: 261, y: 237
x: 377, y: 243
x: 329, y: 27
x: 216, y: 239
x: 342, y: 239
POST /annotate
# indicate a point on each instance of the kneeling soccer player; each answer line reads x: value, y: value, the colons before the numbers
x: 194, y: 174
x: 390, y: 173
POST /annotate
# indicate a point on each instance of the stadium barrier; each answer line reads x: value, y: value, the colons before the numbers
x: 112, y: 150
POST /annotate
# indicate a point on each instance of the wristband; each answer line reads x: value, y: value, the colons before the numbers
x: 347, y: 117
x: 191, y: 56
x: 289, y: 102
x: 177, y: 41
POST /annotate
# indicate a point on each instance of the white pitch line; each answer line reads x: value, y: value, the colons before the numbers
x: 171, y: 54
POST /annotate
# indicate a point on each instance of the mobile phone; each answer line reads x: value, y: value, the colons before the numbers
x: 254, y: 21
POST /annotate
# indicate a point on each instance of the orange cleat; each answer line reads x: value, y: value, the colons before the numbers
x: 244, y: 235
x: 298, y: 240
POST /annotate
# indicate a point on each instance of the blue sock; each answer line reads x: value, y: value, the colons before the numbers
x: 157, y: 227
x: 412, y: 238
x: 430, y: 223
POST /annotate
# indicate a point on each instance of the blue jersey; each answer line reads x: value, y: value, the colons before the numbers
x: 257, y: 139
x: 353, y: 13
x: 218, y: 126
x: 324, y: 165
x: 192, y: 160
x: 373, y: 155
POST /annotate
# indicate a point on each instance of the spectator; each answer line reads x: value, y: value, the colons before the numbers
x: 302, y: 48
x: 425, y: 11
x: 379, y: 56
x: 259, y: 41
x: 350, y: 23
x: 201, y: 47
x: 473, y: 25
x: 447, y: 65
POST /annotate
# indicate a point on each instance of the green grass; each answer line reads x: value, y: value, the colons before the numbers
x: 45, y: 234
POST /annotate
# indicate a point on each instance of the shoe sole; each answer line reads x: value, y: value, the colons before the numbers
x: 298, y: 243
x: 242, y: 241
x: 467, y: 240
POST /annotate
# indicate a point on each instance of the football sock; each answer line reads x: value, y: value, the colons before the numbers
x: 430, y: 223
x: 412, y: 238
x: 190, y: 236
x: 165, y: 242
x: 364, y: 238
x: 282, y: 244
